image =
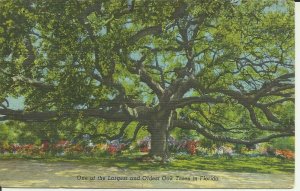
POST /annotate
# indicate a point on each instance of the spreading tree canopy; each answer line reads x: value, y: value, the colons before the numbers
x: 224, y: 69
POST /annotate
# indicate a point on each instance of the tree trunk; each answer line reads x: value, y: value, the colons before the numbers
x: 159, y: 136
x: 159, y: 142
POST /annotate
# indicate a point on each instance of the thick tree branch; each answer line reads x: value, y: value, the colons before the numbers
x: 118, y: 136
x: 179, y: 87
x: 3, y: 105
x: 268, y: 113
x: 136, y: 131
x: 153, y: 30
x: 4, y: 118
x: 193, y: 100
x: 257, y: 124
x: 210, y: 135
x: 50, y: 115
x: 144, y: 76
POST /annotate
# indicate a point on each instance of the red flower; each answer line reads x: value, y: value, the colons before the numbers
x: 191, y: 146
x: 144, y: 149
x: 112, y: 149
x: 285, y: 153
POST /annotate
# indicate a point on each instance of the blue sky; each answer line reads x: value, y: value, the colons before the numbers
x: 16, y: 103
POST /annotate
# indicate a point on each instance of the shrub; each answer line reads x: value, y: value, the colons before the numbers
x: 201, y: 151
x: 285, y: 143
x: 144, y: 144
x: 191, y: 146
x: 72, y: 150
x: 99, y: 150
x: 112, y: 149
x: 4, y: 146
x: 287, y: 154
x: 144, y: 149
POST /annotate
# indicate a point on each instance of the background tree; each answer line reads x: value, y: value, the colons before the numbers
x: 224, y: 69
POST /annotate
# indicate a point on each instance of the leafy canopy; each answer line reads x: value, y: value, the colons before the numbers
x: 222, y: 68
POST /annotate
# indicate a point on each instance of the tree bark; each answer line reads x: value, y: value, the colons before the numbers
x: 159, y: 136
x: 159, y: 141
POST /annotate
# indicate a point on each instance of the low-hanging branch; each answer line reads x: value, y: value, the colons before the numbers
x: 22, y: 115
x: 258, y: 125
x: 210, y: 135
x: 121, y: 134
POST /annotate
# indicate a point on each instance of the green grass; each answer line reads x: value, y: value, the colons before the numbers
x: 238, y: 164
x: 235, y: 164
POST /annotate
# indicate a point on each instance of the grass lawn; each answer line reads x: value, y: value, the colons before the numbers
x: 258, y: 164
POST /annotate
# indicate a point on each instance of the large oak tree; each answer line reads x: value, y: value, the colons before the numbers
x: 224, y: 69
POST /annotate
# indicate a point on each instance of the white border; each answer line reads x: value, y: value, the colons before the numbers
x: 297, y: 109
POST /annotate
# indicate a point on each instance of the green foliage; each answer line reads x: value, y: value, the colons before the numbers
x: 7, y: 134
x: 69, y: 56
x: 284, y: 143
x: 182, y: 134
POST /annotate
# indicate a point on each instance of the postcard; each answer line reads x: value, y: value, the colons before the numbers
x: 147, y: 94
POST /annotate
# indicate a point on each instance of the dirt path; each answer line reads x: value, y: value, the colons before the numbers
x: 20, y: 173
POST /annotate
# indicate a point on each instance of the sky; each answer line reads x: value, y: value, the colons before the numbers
x: 16, y: 103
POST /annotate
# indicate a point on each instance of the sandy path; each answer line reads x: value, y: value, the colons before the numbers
x: 21, y: 173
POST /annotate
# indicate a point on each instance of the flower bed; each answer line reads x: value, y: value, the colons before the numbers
x: 287, y: 154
